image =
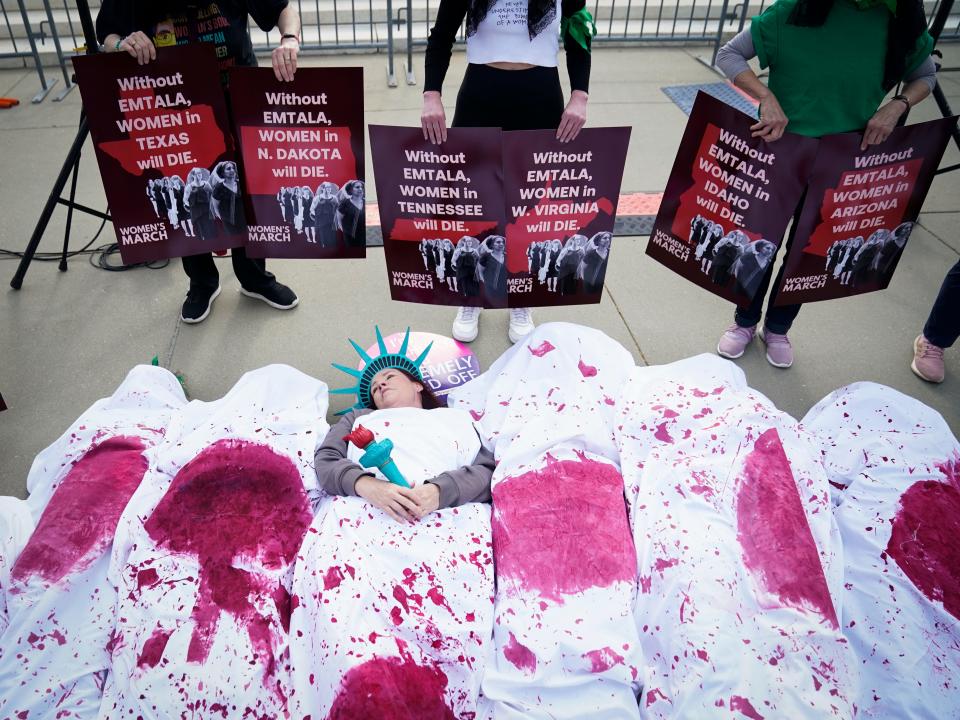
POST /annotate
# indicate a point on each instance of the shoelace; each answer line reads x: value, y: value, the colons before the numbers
x: 773, y: 338
x: 742, y: 331
x: 929, y: 350
x: 519, y: 315
x: 467, y: 313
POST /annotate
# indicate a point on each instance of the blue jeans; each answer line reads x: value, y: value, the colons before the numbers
x: 943, y: 325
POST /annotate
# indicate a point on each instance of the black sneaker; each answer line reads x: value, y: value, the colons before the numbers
x: 275, y: 295
x: 198, y: 303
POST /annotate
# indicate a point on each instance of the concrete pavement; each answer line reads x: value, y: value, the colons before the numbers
x: 67, y: 339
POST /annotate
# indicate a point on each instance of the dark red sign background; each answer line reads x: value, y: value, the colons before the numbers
x: 149, y: 133
x: 552, y: 192
x: 415, y: 275
x: 726, y: 177
x: 296, y: 135
x: 848, y: 206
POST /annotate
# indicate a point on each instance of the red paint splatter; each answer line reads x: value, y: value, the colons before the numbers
x: 563, y: 528
x: 153, y: 648
x: 234, y: 500
x: 660, y: 564
x: 670, y: 414
x: 79, y: 522
x: 147, y: 578
x: 704, y: 490
x: 392, y: 689
x: 744, y: 707
x: 654, y: 695
x: 603, y: 659
x: 925, y: 541
x: 541, y: 349
x: 332, y: 578
x: 702, y: 654
x: 778, y: 547
x: 587, y: 370
x: 477, y: 416
x: 520, y: 655
x: 438, y: 599
x: 661, y: 434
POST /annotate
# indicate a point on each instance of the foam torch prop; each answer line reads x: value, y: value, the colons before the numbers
x: 377, y: 454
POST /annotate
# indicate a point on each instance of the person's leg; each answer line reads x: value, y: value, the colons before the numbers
x: 943, y: 324
x: 204, y: 287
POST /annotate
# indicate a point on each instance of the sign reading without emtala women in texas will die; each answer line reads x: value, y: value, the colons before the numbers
x: 165, y: 151
x: 728, y: 200
x: 302, y: 149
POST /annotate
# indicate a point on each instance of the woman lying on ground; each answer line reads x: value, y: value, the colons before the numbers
x: 436, y: 448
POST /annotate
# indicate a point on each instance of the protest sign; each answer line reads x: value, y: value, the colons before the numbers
x: 165, y: 153
x: 441, y: 212
x: 728, y: 200
x: 859, y: 211
x: 302, y: 148
x: 561, y: 203
x: 448, y: 365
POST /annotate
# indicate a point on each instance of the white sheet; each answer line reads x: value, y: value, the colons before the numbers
x: 739, y: 559
x: 899, y: 518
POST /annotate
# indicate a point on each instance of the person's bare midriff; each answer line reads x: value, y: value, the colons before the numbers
x: 510, y: 66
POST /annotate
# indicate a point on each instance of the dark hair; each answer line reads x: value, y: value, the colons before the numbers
x: 903, y: 30
x: 427, y: 398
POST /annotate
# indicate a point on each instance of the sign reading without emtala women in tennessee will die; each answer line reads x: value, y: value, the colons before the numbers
x: 860, y: 209
x: 498, y: 219
x: 302, y: 149
x: 728, y: 200
x: 164, y: 150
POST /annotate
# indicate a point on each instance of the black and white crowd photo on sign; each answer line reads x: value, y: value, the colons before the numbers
x: 730, y: 255
x: 317, y: 215
x: 855, y: 262
x: 568, y: 268
x: 471, y: 267
x: 197, y: 206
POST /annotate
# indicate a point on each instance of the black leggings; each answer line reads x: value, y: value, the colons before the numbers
x: 509, y: 99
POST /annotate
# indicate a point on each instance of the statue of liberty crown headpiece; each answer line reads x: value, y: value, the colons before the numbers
x: 372, y: 366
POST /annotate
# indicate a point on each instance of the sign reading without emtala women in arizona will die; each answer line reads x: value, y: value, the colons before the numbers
x: 302, y: 149
x: 728, y: 200
x: 165, y: 151
x: 859, y: 211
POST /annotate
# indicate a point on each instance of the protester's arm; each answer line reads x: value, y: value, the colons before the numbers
x: 117, y: 32
x: 470, y: 483
x: 578, y: 69
x: 433, y: 119
x: 732, y: 60
x: 919, y: 84
x: 284, y: 56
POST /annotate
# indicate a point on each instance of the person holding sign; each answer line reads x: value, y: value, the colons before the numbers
x: 138, y: 28
x: 511, y: 82
x: 831, y: 64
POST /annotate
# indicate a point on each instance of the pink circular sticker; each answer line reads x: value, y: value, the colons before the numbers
x: 449, y: 364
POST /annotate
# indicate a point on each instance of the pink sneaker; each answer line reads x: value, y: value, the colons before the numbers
x: 735, y: 340
x: 779, y: 349
x: 927, y: 360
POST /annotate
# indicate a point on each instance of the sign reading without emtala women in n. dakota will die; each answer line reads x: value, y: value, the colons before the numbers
x: 498, y: 219
x: 728, y: 200
x: 302, y: 148
x: 165, y: 151
x: 860, y: 209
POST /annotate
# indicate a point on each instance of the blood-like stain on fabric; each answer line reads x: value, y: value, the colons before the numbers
x: 153, y: 648
x: 79, y: 522
x: 925, y: 541
x: 603, y: 659
x: 743, y: 706
x: 586, y: 370
x: 562, y: 529
x: 661, y: 434
x: 520, y: 655
x: 541, y: 349
x: 777, y: 545
x: 392, y: 689
x: 235, y: 501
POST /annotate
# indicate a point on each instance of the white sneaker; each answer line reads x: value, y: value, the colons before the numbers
x: 521, y: 324
x: 466, y: 325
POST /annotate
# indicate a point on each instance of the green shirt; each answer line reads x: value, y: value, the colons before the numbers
x: 828, y: 79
